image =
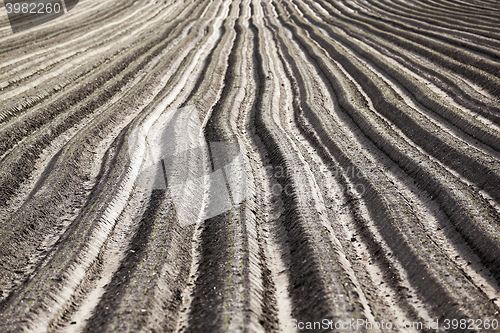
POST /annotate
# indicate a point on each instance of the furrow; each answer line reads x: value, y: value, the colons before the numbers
x: 366, y: 168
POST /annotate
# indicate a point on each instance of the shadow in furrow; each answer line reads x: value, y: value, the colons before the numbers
x: 480, y: 241
x: 307, y: 289
x: 207, y: 311
x: 107, y: 310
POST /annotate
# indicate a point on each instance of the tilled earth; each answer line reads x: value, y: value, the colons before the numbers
x: 367, y: 135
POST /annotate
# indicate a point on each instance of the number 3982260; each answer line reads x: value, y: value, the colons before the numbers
x: 33, y: 8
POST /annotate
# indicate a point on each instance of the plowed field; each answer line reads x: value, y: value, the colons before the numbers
x: 253, y: 166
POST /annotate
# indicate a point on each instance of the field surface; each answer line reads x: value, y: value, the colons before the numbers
x: 251, y: 165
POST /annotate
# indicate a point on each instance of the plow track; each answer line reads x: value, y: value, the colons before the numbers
x: 340, y: 160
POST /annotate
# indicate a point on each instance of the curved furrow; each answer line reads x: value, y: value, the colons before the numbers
x: 322, y: 276
x: 441, y: 19
x: 489, y: 52
x: 419, y: 19
x: 69, y: 60
x: 348, y: 168
x: 350, y: 29
x: 398, y: 113
x: 56, y: 73
x: 467, y: 141
x: 462, y: 5
x: 370, y: 199
x: 220, y: 234
x: 126, y: 94
x: 92, y: 211
x: 452, y: 59
x: 226, y: 235
x: 44, y: 33
x: 348, y: 270
x: 95, y: 38
x: 461, y: 91
x: 463, y: 22
x: 412, y: 83
x: 322, y: 61
x: 456, y: 11
x: 156, y: 287
x: 53, y: 117
x: 267, y: 303
x: 328, y: 173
